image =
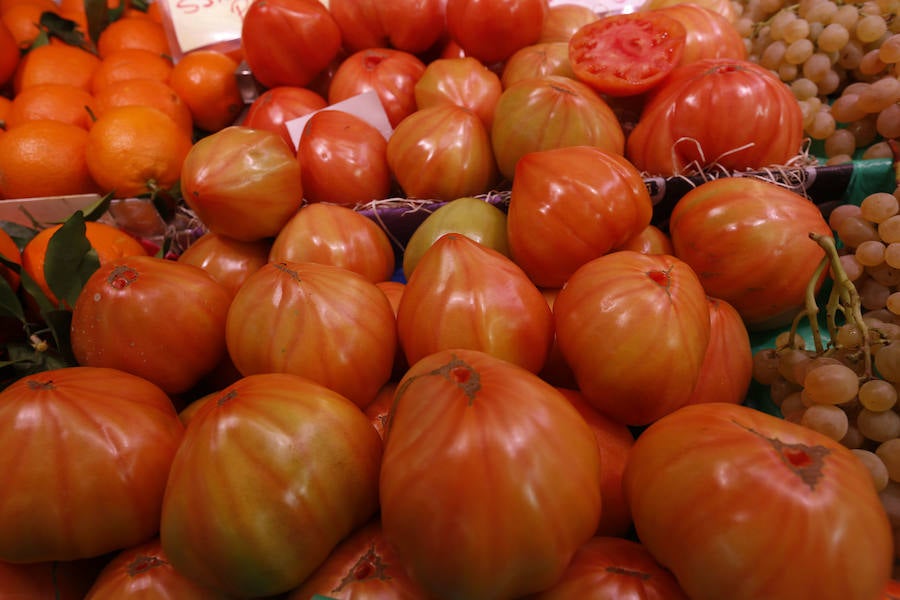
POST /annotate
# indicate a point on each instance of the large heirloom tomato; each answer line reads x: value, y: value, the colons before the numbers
x: 492, y: 30
x: 490, y: 479
x: 748, y: 241
x: 570, y: 205
x: 227, y: 260
x: 542, y: 113
x: 411, y: 25
x: 634, y: 328
x: 56, y: 580
x: 288, y: 42
x: 537, y: 60
x: 116, y: 321
x: 442, y: 152
x: 463, y: 81
x: 273, y: 472
x: 323, y: 322
x: 275, y: 106
x: 689, y: 120
x: 465, y: 295
x: 612, y: 567
x: 728, y: 365
x: 85, y: 453
x: 242, y: 182
x: 739, y: 504
x: 709, y: 34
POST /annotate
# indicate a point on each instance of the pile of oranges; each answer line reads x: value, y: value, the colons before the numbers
x: 73, y: 116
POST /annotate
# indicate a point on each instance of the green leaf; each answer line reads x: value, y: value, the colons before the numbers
x: 64, y: 29
x: 34, y: 290
x: 60, y: 323
x: 18, y: 232
x: 10, y: 305
x: 98, y: 209
x: 98, y: 17
x: 70, y: 260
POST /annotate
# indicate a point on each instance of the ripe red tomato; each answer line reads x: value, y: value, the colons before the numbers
x: 144, y: 571
x: 634, y: 328
x: 728, y: 364
x: 364, y: 565
x: 87, y: 451
x: 722, y: 7
x: 322, y: 322
x: 275, y: 106
x: 570, y: 205
x: 687, y: 122
x: 709, y: 33
x: 343, y: 159
x: 394, y: 292
x: 626, y: 54
x: 273, y: 472
x: 492, y: 30
x: 556, y: 371
x: 563, y: 19
x: 504, y: 488
x: 288, y: 42
x: 227, y: 260
x: 241, y: 182
x: 614, y: 567
x: 442, y: 153
x: 59, y: 580
x: 410, y: 25
x: 116, y: 321
x: 380, y: 409
x: 542, y: 113
x: 651, y: 240
x: 537, y: 60
x: 756, y: 507
x: 463, y: 81
x: 337, y: 235
x: 748, y: 241
x: 465, y: 295
x: 892, y: 590
x: 392, y: 74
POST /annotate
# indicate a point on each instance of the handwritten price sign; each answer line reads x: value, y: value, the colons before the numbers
x: 193, y: 24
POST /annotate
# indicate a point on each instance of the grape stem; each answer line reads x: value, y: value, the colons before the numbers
x: 843, y: 299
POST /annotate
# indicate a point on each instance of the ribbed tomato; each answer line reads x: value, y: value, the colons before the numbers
x: 728, y: 364
x: 227, y: 260
x: 463, y: 81
x: 491, y: 30
x: 410, y: 25
x: 709, y: 33
x: 275, y: 106
x: 537, y: 60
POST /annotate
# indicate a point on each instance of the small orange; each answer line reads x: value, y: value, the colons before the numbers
x: 131, y: 63
x: 108, y: 241
x: 10, y: 251
x: 152, y: 12
x: 56, y: 101
x: 133, y: 32
x: 22, y: 20
x: 56, y: 63
x: 131, y: 149
x: 147, y: 92
x: 5, y: 107
x: 44, y: 158
x: 10, y: 55
x: 206, y: 81
x: 44, y: 4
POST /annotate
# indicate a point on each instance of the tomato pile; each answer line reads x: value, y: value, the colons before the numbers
x: 540, y: 397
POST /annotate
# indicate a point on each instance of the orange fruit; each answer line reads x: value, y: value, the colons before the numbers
x: 146, y: 92
x: 152, y: 12
x: 56, y: 63
x: 131, y: 63
x: 108, y: 241
x: 131, y: 149
x: 22, y: 18
x: 205, y: 80
x: 5, y: 107
x: 55, y: 101
x: 133, y: 32
x: 9, y: 54
x: 44, y: 158
x: 44, y: 4
x: 10, y: 251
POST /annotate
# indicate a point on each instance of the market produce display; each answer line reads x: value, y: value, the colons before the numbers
x: 450, y: 299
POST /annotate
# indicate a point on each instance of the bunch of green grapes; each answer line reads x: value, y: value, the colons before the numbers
x: 841, y: 60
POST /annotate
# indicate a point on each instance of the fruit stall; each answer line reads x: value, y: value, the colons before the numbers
x: 450, y: 299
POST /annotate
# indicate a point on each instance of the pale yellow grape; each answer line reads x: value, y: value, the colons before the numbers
x: 846, y: 109
x: 875, y: 466
x: 804, y: 88
x: 852, y: 267
x: 892, y: 255
x: 870, y: 63
x: 884, y: 274
x: 889, y: 51
x: 790, y: 363
x: 773, y: 55
x: 797, y: 29
x: 779, y: 23
x: 879, y: 207
x: 873, y: 294
x: 887, y: 361
x: 877, y: 395
x: 850, y: 55
x: 853, y: 438
x: 784, y: 339
x: 822, y: 126
x: 853, y: 231
x: 869, y: 28
x: 887, y: 124
x: 878, y: 150
x: 792, y: 407
x: 879, y: 95
x: 830, y: 83
x: 842, y: 211
x: 889, y: 453
x: 864, y: 130
x: 848, y: 335
x: 820, y: 12
x: 889, y: 230
x: 782, y: 388
x: 893, y: 303
x: 847, y: 15
x: 878, y: 426
x: 833, y: 38
x: 830, y: 421
x: 830, y: 384
x: 870, y: 253
x: 816, y: 67
x: 788, y: 72
x: 797, y: 52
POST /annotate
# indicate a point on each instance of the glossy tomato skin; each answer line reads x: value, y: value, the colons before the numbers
x: 275, y: 106
x: 288, y: 42
x: 709, y: 33
x: 143, y: 571
x: 614, y: 567
x: 651, y: 240
x: 570, y: 205
x: 87, y: 451
x: 748, y: 241
x: 537, y: 60
x: 324, y: 322
x: 688, y: 120
x: 410, y: 25
x: 788, y: 491
x: 242, y: 182
x: 493, y: 502
x: 60, y: 580
x: 728, y: 364
x: 227, y: 260
x: 634, y: 328
x: 343, y: 159
x: 116, y: 321
x: 463, y: 81
x: 492, y: 30
x: 549, y: 112
x: 563, y: 19
x: 390, y: 73
x: 441, y: 153
x: 363, y: 566
x: 337, y: 235
x: 465, y: 295
x: 251, y: 531
x: 627, y: 54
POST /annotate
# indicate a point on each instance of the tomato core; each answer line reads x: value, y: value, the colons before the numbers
x: 372, y: 61
x: 142, y: 564
x: 660, y: 277
x: 122, y: 276
x: 40, y: 385
x: 643, y: 576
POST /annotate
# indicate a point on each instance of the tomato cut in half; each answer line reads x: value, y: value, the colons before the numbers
x: 626, y: 54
